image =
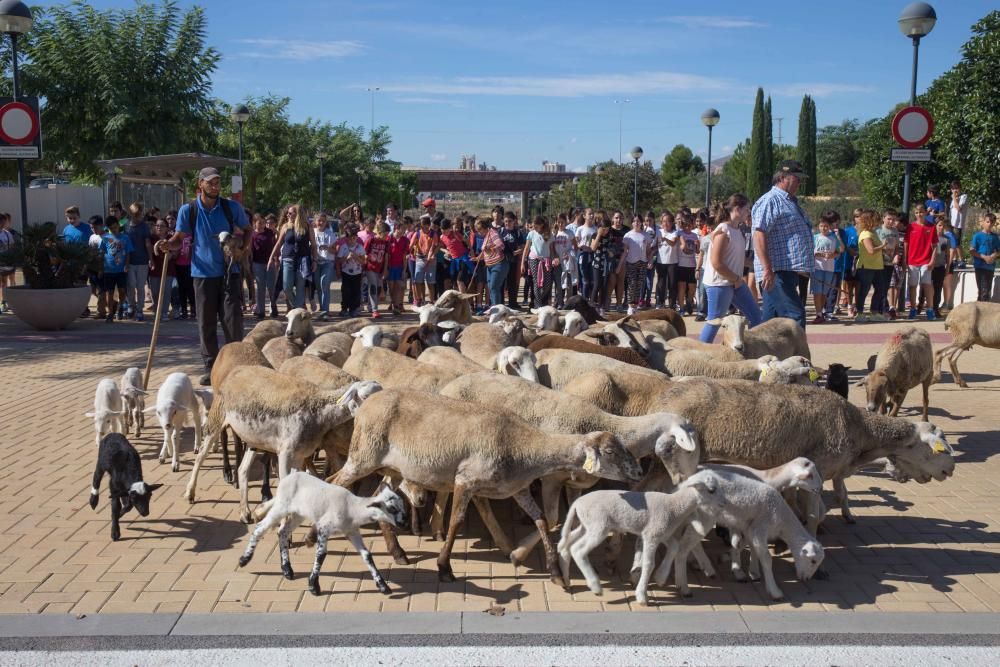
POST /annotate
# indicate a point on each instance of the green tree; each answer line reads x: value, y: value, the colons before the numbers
x: 723, y: 185
x: 736, y: 167
x: 769, y: 141
x: 806, y: 151
x: 758, y: 173
x: 120, y: 82
x: 679, y: 165
x: 836, y: 146
x: 616, y: 189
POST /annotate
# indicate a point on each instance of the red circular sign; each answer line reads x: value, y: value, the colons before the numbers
x: 18, y: 123
x: 912, y: 127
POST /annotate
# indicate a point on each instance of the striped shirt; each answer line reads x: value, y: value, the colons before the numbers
x: 788, y: 231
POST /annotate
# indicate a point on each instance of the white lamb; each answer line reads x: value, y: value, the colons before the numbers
x: 134, y: 399
x: 176, y: 401
x: 107, y: 414
x: 333, y: 510
x: 574, y: 324
x: 499, y: 312
x: 655, y: 517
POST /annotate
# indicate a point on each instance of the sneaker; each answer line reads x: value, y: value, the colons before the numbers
x: 852, y: 311
x: 109, y: 319
x: 878, y: 317
x: 631, y: 310
x: 4, y: 308
x: 86, y: 312
x: 930, y: 315
x: 600, y: 311
x: 913, y: 313
x: 274, y: 313
x: 658, y: 306
x: 862, y: 319
x: 205, y: 380
x: 699, y: 318
x: 140, y: 318
x: 259, y: 316
x: 892, y: 314
x: 182, y: 316
x: 831, y: 318
x: 376, y: 315
x: 819, y: 320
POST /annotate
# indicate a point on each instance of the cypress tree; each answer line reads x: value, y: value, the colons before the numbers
x: 811, y: 167
x: 769, y: 143
x: 757, y: 176
x: 806, y: 149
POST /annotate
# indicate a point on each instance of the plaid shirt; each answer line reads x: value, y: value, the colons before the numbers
x: 788, y: 230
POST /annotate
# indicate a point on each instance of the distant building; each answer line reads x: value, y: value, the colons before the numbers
x: 553, y: 166
x: 468, y: 163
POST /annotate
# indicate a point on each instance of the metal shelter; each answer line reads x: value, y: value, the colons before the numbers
x: 156, y: 180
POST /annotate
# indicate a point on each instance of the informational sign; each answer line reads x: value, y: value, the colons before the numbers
x: 20, y: 129
x: 237, y: 188
x: 910, y: 155
x: 912, y: 127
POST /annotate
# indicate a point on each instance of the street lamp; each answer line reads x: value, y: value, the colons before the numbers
x: 598, y: 170
x: 636, y: 153
x: 361, y: 174
x: 15, y: 20
x: 621, y: 109
x: 710, y: 118
x: 373, y: 91
x: 916, y: 21
x: 576, y: 188
x: 321, y: 154
x: 240, y: 115
x: 402, y: 189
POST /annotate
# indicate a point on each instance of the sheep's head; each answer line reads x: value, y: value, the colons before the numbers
x: 299, y: 324
x: 517, y: 360
x: 808, y: 559
x: 926, y: 456
x: 423, y: 337
x: 876, y: 386
x: 575, y: 324
x: 548, y: 318
x: 677, y: 447
x: 450, y: 331
x: 104, y: 419
x: 430, y: 313
x: 603, y: 455
x: 499, y: 312
x: 371, y: 335
x: 170, y: 414
x: 139, y: 495
x: 514, y: 330
x: 387, y: 506
x: 735, y: 327
x: 416, y: 494
x: 805, y: 475
x: 836, y: 376
x: 356, y: 393
x: 623, y: 333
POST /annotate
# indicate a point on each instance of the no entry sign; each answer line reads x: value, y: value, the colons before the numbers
x: 912, y: 127
x: 20, y: 129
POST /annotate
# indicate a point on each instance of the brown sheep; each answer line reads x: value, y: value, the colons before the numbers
x: 231, y: 357
x: 321, y: 373
x: 627, y: 355
x: 277, y: 350
x: 668, y: 314
x: 976, y: 323
x: 905, y: 360
x: 415, y: 340
x: 264, y: 331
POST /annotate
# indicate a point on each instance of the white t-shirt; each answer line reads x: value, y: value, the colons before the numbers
x: 351, y: 267
x: 584, y: 235
x: 665, y: 252
x: 563, y: 246
x: 732, y: 255
x: 689, y: 257
x: 824, y: 244
x: 636, y: 247
x: 328, y: 238
x: 958, y: 214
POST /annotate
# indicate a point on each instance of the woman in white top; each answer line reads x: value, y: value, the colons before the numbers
x: 326, y: 255
x: 666, y: 262
x: 584, y: 254
x: 723, y: 276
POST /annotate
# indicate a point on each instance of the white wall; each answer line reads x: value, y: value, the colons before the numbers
x: 49, y: 204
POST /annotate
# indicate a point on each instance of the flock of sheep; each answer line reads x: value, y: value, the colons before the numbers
x: 538, y: 408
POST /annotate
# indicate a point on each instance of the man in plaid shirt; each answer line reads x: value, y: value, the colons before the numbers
x: 783, y: 244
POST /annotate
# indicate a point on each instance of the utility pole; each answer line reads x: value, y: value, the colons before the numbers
x: 779, y: 130
x: 373, y: 91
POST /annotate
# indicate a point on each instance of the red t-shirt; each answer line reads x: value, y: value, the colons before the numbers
x: 375, y: 250
x: 920, y: 242
x: 454, y: 244
x: 398, y: 249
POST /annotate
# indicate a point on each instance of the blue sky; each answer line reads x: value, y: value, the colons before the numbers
x: 520, y: 82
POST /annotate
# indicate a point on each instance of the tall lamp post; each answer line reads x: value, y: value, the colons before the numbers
x: 916, y: 21
x: 710, y: 118
x: 15, y: 20
x: 321, y: 155
x: 636, y: 154
x: 402, y: 189
x: 598, y: 170
x: 240, y: 115
x: 621, y: 110
x: 576, y: 189
x: 373, y: 91
x: 361, y: 174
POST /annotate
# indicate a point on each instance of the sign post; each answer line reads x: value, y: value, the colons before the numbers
x: 20, y: 138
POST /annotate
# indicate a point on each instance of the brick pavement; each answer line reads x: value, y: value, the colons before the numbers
x: 927, y: 548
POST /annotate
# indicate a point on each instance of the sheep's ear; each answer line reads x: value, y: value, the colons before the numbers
x: 593, y: 334
x: 152, y: 487
x: 467, y: 297
x: 847, y: 368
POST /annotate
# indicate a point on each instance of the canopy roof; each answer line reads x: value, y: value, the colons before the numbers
x: 162, y: 168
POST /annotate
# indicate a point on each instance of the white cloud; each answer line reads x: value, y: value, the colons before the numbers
x: 718, y: 22
x: 458, y: 104
x: 280, y: 49
x: 819, y: 89
x: 438, y: 157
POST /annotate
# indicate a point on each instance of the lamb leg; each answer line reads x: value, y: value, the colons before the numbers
x: 527, y: 503
x: 227, y: 468
x: 460, y: 497
x: 496, y: 531
x: 840, y: 493
x: 551, y: 488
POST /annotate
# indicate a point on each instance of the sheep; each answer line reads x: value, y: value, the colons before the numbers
x: 275, y: 413
x: 134, y: 400
x: 333, y: 511
x: 837, y: 379
x: 300, y: 326
x: 675, y: 319
x: 396, y: 371
x: 548, y: 318
x: 414, y: 340
x: 904, y: 361
x: 449, y: 358
x: 517, y: 360
x: 763, y: 426
x: 557, y: 368
x: 348, y: 326
x: 175, y: 404
x: 975, y: 323
x: 107, y: 414
x: 481, y: 342
x: 460, y: 305
x: 117, y: 457
x: 620, y: 392
x: 554, y: 411
x: 333, y: 347
x: 716, y: 351
x: 624, y: 333
x: 232, y: 249
x: 277, y: 350
x: 375, y: 335
x: 627, y: 355
x: 660, y: 327
x: 232, y: 356
x: 779, y: 336
x: 264, y: 331
x: 452, y: 332
x: 487, y: 454
x: 697, y: 363
x: 574, y: 324
x: 757, y: 513
x: 321, y: 373
x: 580, y: 304
x: 499, y: 312
x: 654, y: 517
x: 793, y: 370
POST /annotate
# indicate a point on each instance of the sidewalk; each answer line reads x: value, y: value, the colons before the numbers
x: 915, y: 548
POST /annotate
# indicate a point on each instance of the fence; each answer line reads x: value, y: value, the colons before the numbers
x: 49, y: 204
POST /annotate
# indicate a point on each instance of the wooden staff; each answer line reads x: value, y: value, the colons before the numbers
x: 156, y: 321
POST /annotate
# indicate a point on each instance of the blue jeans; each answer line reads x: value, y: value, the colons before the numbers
x: 294, y: 284
x: 496, y: 278
x: 264, y: 280
x: 324, y: 277
x: 783, y: 299
x: 585, y: 260
x: 719, y: 300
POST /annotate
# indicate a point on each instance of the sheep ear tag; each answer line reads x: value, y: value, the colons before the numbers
x: 938, y: 446
x: 763, y: 373
x: 589, y: 464
x: 813, y: 375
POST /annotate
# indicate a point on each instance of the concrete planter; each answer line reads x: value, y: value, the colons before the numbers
x: 48, y: 309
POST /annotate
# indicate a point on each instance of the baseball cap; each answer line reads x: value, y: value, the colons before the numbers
x: 208, y: 173
x: 793, y: 168
x: 428, y: 202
